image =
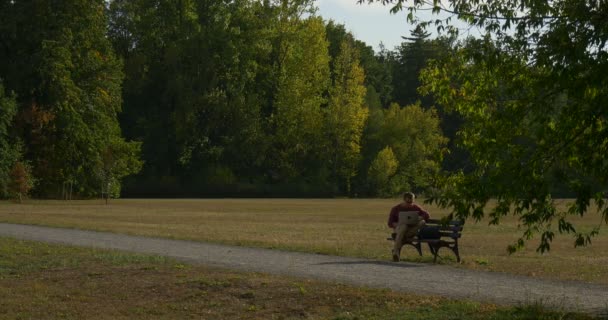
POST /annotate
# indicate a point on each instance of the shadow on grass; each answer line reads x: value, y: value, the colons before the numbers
x: 381, y: 263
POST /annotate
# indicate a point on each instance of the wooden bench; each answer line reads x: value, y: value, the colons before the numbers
x: 437, y: 234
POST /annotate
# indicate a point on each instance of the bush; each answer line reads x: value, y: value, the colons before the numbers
x: 380, y: 172
x: 21, y: 181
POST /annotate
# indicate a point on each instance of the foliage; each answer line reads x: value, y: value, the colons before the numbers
x: 380, y: 172
x: 242, y: 97
x: 118, y: 159
x: 345, y: 116
x: 407, y: 62
x: 68, y: 86
x: 10, y: 150
x: 532, y: 95
x: 251, y: 90
x: 298, y: 117
x: 199, y: 85
x: 414, y: 135
x: 411, y: 57
x: 378, y: 78
x: 21, y: 181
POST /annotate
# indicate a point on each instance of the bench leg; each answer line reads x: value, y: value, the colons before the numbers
x: 415, y: 245
x: 431, y: 248
x: 455, y: 249
x: 435, y: 250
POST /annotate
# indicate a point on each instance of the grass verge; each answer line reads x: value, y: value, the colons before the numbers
x: 45, y: 281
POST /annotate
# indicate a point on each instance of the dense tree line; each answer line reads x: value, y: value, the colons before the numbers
x: 209, y: 98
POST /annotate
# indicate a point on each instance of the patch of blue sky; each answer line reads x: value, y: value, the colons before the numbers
x: 374, y: 24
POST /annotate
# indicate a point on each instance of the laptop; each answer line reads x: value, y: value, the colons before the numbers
x: 409, y: 217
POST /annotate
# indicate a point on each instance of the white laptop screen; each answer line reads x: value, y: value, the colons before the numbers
x: 409, y: 217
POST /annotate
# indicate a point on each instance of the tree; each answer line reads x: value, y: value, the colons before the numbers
x: 68, y: 85
x: 411, y: 58
x: 407, y: 63
x: 118, y: 159
x: 415, y: 137
x: 21, y: 181
x: 378, y: 82
x: 532, y: 95
x: 10, y: 152
x: 298, y: 117
x: 345, y: 117
x: 380, y: 172
x: 168, y: 76
x: 194, y: 87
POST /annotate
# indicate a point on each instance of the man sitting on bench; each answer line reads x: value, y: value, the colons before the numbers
x: 406, y: 219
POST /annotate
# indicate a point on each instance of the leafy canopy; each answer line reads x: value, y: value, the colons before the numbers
x: 532, y: 93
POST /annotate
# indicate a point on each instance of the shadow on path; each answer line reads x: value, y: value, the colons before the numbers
x: 380, y: 263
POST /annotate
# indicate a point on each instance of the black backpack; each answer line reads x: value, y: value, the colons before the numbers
x: 432, y: 232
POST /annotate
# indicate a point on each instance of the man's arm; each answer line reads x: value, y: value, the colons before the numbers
x: 425, y: 215
x: 393, y: 217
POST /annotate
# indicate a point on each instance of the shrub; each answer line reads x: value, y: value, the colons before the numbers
x: 21, y: 181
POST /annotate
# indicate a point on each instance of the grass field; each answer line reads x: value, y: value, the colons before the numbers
x: 43, y: 281
x: 348, y: 227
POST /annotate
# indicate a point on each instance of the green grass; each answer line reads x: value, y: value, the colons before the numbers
x: 347, y: 227
x: 46, y: 281
x: 19, y: 257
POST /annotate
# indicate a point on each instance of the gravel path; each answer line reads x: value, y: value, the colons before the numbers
x: 403, y: 276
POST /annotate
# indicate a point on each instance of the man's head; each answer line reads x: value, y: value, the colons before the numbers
x: 409, y: 197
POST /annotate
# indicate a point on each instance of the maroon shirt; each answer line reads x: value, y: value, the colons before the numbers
x: 393, y: 217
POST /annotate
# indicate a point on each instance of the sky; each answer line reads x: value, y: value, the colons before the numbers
x: 369, y: 23
x: 374, y: 24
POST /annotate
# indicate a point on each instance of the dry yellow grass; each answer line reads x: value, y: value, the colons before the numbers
x: 349, y: 227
